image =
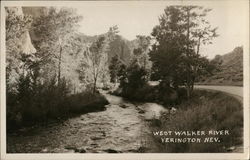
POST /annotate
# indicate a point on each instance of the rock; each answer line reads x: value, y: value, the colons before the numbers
x: 173, y: 110
x: 70, y: 147
x: 126, y: 128
x: 142, y: 149
x: 132, y: 150
x: 44, y: 150
x: 230, y: 149
x: 141, y: 111
x: 80, y: 150
x: 75, y: 149
x: 124, y: 106
x: 112, y: 151
x: 96, y: 138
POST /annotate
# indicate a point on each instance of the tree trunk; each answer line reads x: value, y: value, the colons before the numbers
x: 192, y: 84
x: 59, y: 66
x: 188, y: 65
x: 198, y: 46
x: 188, y: 91
x: 94, y: 87
x: 115, y: 82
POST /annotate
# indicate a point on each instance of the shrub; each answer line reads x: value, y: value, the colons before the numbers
x: 39, y: 102
x: 86, y: 102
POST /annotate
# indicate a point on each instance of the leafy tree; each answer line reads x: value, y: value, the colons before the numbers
x: 140, y: 53
x: 198, y: 32
x: 55, y: 32
x: 94, y: 60
x: 132, y: 78
x: 179, y: 35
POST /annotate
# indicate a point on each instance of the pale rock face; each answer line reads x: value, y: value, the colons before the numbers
x: 27, y: 46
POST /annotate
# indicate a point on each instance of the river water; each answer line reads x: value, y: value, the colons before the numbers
x: 122, y: 128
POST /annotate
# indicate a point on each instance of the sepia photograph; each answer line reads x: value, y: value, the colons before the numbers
x: 125, y: 77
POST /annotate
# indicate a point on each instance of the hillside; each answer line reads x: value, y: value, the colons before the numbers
x: 230, y: 71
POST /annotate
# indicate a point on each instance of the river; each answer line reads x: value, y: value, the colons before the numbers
x: 122, y: 128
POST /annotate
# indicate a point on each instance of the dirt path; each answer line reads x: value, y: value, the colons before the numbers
x: 234, y: 91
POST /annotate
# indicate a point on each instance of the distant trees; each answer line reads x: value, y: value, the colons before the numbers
x: 94, y: 66
x: 175, y: 55
x: 114, y: 68
x: 135, y: 74
x: 142, y: 50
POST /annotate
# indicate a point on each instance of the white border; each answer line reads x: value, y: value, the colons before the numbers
x: 124, y: 156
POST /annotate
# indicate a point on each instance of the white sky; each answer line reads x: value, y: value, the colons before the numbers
x: 137, y: 17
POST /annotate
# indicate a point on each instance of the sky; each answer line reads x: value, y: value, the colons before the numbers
x: 138, y: 18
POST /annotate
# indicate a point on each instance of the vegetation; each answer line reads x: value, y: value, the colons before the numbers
x: 173, y: 59
x: 37, y: 88
x: 58, y: 72
x: 205, y: 111
x: 95, y: 59
x: 175, y: 55
x: 39, y: 103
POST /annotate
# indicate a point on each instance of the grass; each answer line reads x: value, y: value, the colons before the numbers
x: 205, y: 111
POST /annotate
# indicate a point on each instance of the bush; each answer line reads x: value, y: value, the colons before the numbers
x: 86, y: 102
x: 147, y: 93
x: 206, y: 111
x: 34, y: 103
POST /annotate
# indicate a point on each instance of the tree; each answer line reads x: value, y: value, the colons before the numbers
x: 55, y: 32
x: 178, y: 37
x: 132, y: 78
x: 94, y: 60
x: 198, y: 32
x: 115, y: 69
x: 140, y: 53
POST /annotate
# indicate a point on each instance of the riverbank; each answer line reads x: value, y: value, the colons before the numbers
x: 127, y: 127
x: 204, y: 112
x: 123, y: 127
x: 53, y: 111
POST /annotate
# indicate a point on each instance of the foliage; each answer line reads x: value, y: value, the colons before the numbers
x: 141, y: 52
x: 132, y: 78
x: 86, y: 102
x: 175, y: 54
x: 41, y: 102
x: 94, y: 61
x: 40, y: 92
x: 114, y: 68
x: 55, y: 33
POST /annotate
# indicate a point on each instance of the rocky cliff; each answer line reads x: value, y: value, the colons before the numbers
x: 230, y: 71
